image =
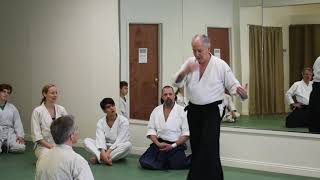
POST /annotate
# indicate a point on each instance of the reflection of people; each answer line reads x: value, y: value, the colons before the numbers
x: 314, y: 102
x: 123, y: 105
x: 112, y: 136
x: 181, y: 98
x: 61, y: 162
x: 206, y: 78
x: 42, y: 117
x: 11, y: 129
x: 229, y: 113
x: 168, y: 131
x: 301, y: 91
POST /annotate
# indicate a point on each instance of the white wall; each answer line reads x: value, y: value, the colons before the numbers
x: 73, y: 44
x: 248, y: 16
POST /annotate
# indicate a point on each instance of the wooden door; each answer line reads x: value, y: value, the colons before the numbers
x: 219, y: 39
x: 144, y: 71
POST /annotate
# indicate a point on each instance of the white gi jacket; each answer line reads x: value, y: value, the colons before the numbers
x: 170, y: 130
x: 118, y: 133
x: 211, y: 86
x: 41, y: 121
x: 62, y: 163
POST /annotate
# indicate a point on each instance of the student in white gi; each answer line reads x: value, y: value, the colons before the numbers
x: 301, y: 91
x: 314, y: 101
x: 112, y: 136
x: 11, y: 129
x: 61, y: 162
x: 123, y: 105
x: 42, y: 117
x: 168, y: 130
x: 205, y: 78
x: 229, y: 111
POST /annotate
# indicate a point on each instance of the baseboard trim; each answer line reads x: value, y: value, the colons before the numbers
x: 271, y: 167
x: 257, y: 165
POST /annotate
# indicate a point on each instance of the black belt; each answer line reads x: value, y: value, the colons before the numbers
x: 216, y: 103
x: 316, y: 85
x: 165, y: 141
x: 304, y: 106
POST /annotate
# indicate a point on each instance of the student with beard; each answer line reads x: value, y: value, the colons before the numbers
x: 168, y: 130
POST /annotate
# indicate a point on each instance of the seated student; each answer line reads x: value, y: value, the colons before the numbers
x: 314, y: 103
x: 301, y: 90
x: 229, y: 113
x: 11, y: 129
x: 42, y: 117
x: 61, y: 162
x: 112, y: 136
x: 123, y: 105
x: 168, y: 130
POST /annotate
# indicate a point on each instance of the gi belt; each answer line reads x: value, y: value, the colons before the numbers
x: 190, y: 105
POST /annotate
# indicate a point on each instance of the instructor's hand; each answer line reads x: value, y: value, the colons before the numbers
x: 296, y: 105
x: 191, y: 67
x: 242, y: 91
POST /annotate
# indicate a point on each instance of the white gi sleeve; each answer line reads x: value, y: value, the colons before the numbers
x: 181, y: 83
x: 230, y: 81
x: 100, y: 136
x: 291, y: 92
x: 18, y: 128
x: 152, y: 125
x: 36, y: 126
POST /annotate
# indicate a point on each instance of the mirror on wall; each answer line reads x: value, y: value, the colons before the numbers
x: 262, y: 51
x: 285, y: 44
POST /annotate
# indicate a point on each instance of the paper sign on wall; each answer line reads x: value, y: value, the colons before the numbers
x: 216, y: 52
x: 143, y: 55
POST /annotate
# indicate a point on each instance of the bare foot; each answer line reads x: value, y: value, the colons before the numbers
x: 93, y: 160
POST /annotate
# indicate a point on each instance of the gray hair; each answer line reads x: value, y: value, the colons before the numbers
x: 204, y: 39
x: 62, y: 128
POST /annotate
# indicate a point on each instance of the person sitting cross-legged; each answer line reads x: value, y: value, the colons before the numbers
x: 168, y: 130
x: 11, y: 129
x: 112, y: 136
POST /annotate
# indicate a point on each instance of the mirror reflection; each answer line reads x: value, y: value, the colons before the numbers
x: 281, y: 53
x: 266, y: 43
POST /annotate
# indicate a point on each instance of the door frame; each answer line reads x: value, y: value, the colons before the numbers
x: 126, y: 59
x: 230, y: 31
